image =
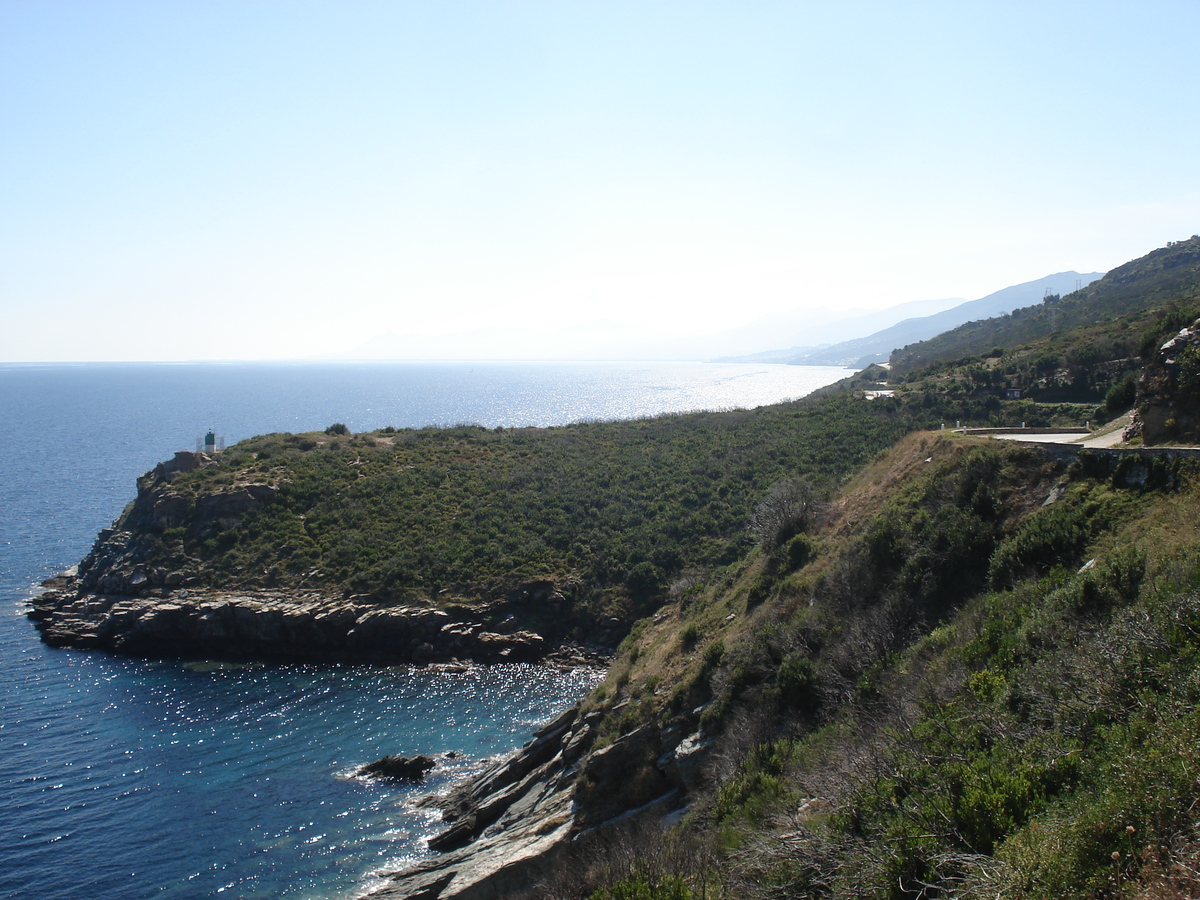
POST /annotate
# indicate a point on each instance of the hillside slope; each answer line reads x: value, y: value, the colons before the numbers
x: 430, y: 544
x: 973, y: 671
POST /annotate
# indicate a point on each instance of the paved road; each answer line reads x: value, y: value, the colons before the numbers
x: 1111, y: 439
x: 1100, y: 441
x: 1036, y: 438
x: 1108, y: 438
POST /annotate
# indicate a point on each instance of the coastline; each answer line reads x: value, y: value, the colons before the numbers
x: 88, y: 433
x: 510, y: 825
x: 280, y: 625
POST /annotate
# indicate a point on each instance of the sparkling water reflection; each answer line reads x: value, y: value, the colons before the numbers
x: 125, y: 778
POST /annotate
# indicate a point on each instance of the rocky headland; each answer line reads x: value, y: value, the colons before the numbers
x: 505, y: 828
x: 127, y: 597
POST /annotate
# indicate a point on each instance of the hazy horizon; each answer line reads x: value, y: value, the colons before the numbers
x: 224, y: 180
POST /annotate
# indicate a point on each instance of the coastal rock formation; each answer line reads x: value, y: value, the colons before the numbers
x: 402, y: 768
x: 521, y: 821
x: 195, y: 623
x: 131, y: 596
x: 117, y: 563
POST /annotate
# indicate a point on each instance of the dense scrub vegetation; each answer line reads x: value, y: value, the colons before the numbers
x: 612, y: 512
x: 955, y: 691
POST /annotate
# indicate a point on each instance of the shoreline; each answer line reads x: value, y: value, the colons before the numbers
x: 280, y: 625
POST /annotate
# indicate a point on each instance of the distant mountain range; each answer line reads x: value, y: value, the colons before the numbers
x: 858, y: 352
x: 814, y: 337
x: 611, y: 341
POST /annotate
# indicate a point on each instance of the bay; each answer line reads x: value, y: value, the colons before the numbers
x: 132, y: 778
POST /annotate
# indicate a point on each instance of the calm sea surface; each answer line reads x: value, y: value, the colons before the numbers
x: 127, y: 778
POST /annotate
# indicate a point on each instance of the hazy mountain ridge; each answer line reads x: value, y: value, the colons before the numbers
x: 877, y: 346
x: 814, y: 337
x: 608, y: 340
x: 1167, y: 275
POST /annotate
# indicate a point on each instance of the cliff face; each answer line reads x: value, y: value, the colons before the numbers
x: 525, y: 825
x: 1169, y: 390
x: 130, y: 558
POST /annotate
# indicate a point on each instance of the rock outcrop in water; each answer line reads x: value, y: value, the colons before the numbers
x: 198, y: 623
x: 401, y: 768
x: 524, y: 820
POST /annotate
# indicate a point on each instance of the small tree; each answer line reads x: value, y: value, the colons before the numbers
x: 1121, y: 395
x: 337, y: 428
x: 784, y: 512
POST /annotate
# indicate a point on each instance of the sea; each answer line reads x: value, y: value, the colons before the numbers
x: 129, y: 778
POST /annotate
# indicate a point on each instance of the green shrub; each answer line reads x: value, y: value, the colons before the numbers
x: 1093, y: 841
x: 641, y: 887
x: 714, y: 655
x: 759, y: 785
x: 760, y: 589
x: 688, y: 636
x: 1052, y: 536
x: 797, y: 683
x: 1121, y: 396
x: 800, y: 550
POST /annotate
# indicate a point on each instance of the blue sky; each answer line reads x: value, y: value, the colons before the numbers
x: 237, y: 180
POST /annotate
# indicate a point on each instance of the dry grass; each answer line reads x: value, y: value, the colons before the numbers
x: 865, y: 496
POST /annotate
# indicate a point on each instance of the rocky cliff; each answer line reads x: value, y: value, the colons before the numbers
x: 528, y: 820
x: 515, y: 825
x: 1169, y: 391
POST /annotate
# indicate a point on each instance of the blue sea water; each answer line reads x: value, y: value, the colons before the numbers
x: 128, y: 778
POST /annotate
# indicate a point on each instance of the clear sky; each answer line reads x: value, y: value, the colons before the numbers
x: 252, y: 179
